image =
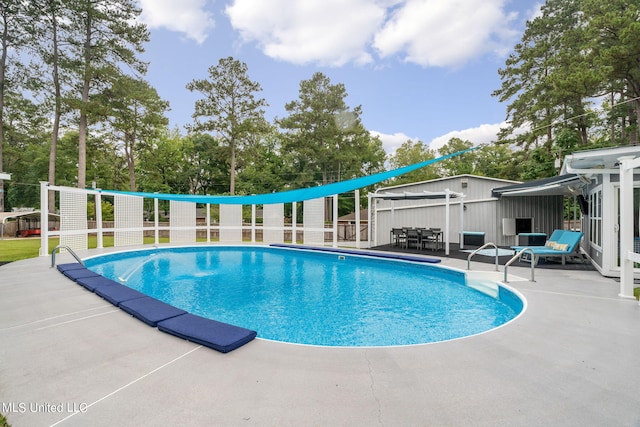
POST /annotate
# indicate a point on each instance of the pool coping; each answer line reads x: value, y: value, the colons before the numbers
x: 570, y: 360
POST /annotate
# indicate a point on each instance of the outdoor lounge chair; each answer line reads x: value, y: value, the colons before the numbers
x: 560, y: 244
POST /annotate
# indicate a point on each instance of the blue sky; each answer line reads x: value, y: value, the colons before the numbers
x: 420, y: 69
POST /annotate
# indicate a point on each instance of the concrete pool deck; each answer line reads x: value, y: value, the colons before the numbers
x: 69, y: 358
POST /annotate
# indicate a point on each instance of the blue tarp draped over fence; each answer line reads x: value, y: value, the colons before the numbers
x: 292, y: 195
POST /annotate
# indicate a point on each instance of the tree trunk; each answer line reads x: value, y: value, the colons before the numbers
x: 232, y: 168
x: 83, y: 127
x: 613, y: 122
x: 633, y: 123
x: 3, y: 66
x: 131, y: 164
x: 636, y: 105
x: 57, y: 113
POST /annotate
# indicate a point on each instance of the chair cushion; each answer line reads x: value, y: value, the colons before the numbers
x: 210, y: 333
x: 150, y: 310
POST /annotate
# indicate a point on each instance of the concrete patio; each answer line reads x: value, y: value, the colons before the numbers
x: 69, y: 358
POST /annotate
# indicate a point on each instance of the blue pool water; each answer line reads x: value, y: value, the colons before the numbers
x: 313, y: 298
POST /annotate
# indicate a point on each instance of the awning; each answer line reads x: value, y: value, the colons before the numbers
x: 563, y: 185
x: 598, y: 161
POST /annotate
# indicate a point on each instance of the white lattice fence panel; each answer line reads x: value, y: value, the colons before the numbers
x: 73, y: 217
x: 183, y: 222
x: 273, y: 223
x: 128, y: 221
x: 313, y: 217
x: 231, y: 223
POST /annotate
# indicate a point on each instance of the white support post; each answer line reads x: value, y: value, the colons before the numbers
x: 626, y: 227
x: 253, y: 224
x: 44, y: 218
x: 208, y: 220
x: 370, y: 236
x: 98, y: 205
x: 357, y: 196
x: 156, y: 222
x: 335, y: 220
x: 447, y: 221
x: 294, y: 221
x: 461, y: 221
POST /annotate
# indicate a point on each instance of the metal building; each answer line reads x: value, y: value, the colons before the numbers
x: 501, y: 219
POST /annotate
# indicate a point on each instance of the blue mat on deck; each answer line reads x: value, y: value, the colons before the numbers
x: 79, y: 273
x: 210, y: 333
x: 69, y: 266
x: 150, y: 310
x: 92, y: 283
x: 118, y: 293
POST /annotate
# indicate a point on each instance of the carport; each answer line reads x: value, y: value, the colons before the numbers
x: 28, y: 215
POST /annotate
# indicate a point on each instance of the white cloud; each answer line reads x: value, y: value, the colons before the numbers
x: 329, y: 32
x: 444, y: 32
x: 335, y: 32
x: 390, y: 143
x: 482, y: 134
x: 186, y: 16
x: 536, y: 12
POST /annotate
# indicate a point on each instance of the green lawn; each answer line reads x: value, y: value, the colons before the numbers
x: 17, y: 249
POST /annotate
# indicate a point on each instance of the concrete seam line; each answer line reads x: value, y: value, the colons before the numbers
x: 76, y: 320
x: 127, y: 385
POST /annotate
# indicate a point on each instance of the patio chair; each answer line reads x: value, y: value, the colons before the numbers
x: 567, y: 242
x: 429, y: 238
x: 398, y: 237
x: 413, y: 236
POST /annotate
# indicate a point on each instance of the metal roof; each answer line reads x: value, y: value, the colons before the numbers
x: 563, y: 185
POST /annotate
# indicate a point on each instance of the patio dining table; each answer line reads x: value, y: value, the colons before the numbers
x: 421, y: 236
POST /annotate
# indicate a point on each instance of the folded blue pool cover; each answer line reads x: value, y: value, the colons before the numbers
x: 150, y: 310
x: 210, y: 333
x: 388, y: 255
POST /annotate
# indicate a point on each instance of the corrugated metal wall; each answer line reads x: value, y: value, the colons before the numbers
x: 546, y: 213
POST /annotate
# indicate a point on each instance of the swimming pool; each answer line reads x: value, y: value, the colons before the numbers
x: 306, y: 297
